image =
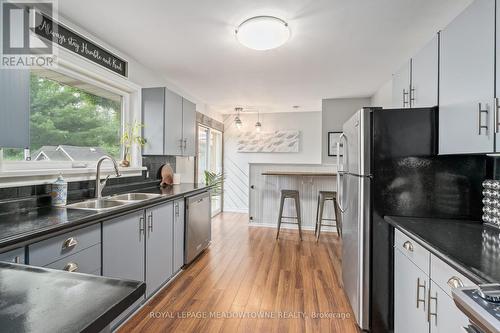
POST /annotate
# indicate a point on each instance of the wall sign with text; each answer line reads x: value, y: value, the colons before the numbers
x: 72, y: 41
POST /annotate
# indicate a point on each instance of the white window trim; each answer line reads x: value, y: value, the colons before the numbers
x: 16, y: 173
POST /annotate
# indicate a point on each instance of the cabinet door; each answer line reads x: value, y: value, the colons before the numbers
x: 123, y: 240
x: 178, y: 235
x: 497, y: 93
x: 466, y: 85
x: 173, y: 123
x: 424, y: 76
x: 444, y: 316
x: 159, y: 246
x: 188, y: 127
x: 15, y: 256
x: 410, y: 296
x: 153, y: 111
x: 401, y: 87
x: 14, y: 108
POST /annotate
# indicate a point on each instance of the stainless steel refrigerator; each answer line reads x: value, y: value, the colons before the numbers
x: 389, y: 166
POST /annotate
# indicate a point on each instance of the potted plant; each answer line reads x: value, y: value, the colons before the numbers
x: 131, y: 135
x: 215, y: 180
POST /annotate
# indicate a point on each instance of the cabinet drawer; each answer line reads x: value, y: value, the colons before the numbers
x: 56, y: 248
x: 15, y: 256
x: 414, y: 251
x: 442, y: 273
x: 87, y: 261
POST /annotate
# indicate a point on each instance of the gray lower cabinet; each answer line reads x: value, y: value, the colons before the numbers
x: 16, y: 256
x: 467, y: 81
x: 169, y: 123
x: 159, y: 247
x: 123, y: 252
x: 87, y: 261
x: 401, y: 86
x: 14, y: 108
x: 424, y: 75
x: 179, y: 226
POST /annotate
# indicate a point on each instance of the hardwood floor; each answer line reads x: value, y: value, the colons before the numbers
x: 249, y: 282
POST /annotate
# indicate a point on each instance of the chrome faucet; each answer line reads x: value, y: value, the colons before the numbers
x: 99, y: 185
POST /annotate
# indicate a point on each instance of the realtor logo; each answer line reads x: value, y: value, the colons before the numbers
x: 21, y: 47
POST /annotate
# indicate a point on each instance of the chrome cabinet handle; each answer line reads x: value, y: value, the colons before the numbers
x: 455, y: 282
x: 496, y: 115
x: 408, y: 246
x: 480, y: 118
x: 70, y: 242
x: 185, y: 143
x: 17, y: 260
x: 177, y: 209
x: 418, y: 293
x: 405, y: 94
x: 71, y: 267
x: 150, y: 222
x: 431, y: 314
x: 412, y: 96
x: 141, y: 226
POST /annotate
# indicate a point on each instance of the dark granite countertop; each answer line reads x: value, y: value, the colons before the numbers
x: 21, y: 227
x: 37, y: 299
x: 470, y: 247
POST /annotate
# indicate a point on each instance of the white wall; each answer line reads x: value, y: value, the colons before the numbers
x: 335, y: 113
x: 383, y: 96
x: 236, y: 164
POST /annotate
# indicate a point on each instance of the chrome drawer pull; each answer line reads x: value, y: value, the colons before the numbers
x: 69, y: 243
x: 17, y: 260
x: 480, y: 118
x: 431, y: 314
x: 455, y: 282
x: 408, y: 246
x: 70, y: 267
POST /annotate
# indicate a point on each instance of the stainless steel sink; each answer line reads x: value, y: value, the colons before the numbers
x: 128, y: 197
x: 97, y: 204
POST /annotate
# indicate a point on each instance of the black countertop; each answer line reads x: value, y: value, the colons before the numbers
x: 21, y: 227
x: 37, y: 299
x: 470, y: 247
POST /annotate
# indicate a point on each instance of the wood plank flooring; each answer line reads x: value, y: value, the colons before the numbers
x: 249, y: 282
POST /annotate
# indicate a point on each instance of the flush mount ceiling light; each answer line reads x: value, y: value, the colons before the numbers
x: 263, y: 32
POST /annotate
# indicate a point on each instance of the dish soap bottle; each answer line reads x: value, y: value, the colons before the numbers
x: 59, y: 192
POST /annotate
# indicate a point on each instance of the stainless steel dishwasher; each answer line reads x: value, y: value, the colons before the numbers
x: 198, y: 225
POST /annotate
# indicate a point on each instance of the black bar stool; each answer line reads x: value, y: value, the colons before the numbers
x: 324, y: 196
x: 289, y: 194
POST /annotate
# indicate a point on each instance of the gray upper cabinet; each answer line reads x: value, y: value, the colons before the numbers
x: 424, y: 76
x: 401, y: 87
x: 188, y: 127
x: 178, y: 235
x: 14, y: 108
x: 169, y: 123
x: 153, y: 118
x: 123, y: 246
x: 173, y: 123
x: 159, y: 246
x: 467, y: 80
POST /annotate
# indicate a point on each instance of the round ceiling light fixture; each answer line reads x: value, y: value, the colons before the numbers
x: 263, y: 32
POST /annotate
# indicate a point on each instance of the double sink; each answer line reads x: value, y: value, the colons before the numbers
x: 111, y: 202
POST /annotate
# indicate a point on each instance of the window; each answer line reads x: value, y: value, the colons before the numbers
x: 70, y: 120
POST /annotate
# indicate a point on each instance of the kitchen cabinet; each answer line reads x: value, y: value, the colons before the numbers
x: 401, y: 84
x: 16, y: 256
x: 169, y: 123
x: 424, y: 75
x: 123, y: 247
x: 423, y: 302
x: 159, y: 246
x: 15, y: 108
x: 467, y: 81
x: 444, y: 315
x: 179, y: 226
x: 410, y: 296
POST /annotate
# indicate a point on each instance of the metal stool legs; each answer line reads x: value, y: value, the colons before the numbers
x: 322, y: 197
x: 289, y: 194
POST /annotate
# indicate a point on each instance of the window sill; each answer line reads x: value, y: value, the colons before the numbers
x: 14, y: 178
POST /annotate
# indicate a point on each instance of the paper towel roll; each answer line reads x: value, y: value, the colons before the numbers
x: 177, y: 178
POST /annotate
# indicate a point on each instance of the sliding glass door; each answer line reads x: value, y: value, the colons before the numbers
x: 210, y: 159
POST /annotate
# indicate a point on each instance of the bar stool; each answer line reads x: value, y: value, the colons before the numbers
x: 289, y: 194
x: 324, y: 196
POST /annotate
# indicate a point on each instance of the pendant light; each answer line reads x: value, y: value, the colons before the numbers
x: 258, y: 125
x: 237, y: 120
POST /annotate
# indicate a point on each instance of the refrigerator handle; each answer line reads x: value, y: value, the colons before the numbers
x: 345, y: 160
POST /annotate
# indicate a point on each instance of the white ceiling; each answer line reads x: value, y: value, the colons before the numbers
x: 339, y: 48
